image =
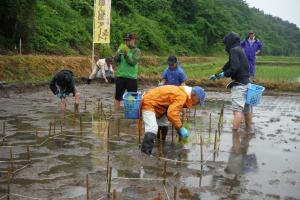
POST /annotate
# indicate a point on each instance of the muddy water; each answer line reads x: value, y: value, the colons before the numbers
x: 264, y: 165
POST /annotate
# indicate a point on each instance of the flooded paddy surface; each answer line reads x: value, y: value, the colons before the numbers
x: 57, y: 162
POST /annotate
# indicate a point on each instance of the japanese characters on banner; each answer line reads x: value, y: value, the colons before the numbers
x: 102, y: 21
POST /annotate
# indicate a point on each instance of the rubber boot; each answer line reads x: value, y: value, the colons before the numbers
x: 148, y: 143
x: 89, y: 81
x: 112, y: 80
x: 164, y: 131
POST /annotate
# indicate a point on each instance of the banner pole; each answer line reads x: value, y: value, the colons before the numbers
x: 93, y: 45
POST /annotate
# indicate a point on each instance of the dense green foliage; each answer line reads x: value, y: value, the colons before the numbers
x: 182, y: 27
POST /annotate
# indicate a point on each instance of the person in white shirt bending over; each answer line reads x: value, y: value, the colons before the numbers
x: 103, y: 69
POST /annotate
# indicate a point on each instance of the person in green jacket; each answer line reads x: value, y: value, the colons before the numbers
x: 127, y: 58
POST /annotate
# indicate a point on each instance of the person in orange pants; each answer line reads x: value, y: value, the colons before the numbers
x: 163, y: 104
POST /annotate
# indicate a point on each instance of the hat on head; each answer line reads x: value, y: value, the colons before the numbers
x: 172, y: 60
x: 200, y: 93
x: 250, y: 32
x: 130, y: 36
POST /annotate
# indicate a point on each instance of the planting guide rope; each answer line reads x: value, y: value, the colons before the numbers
x: 82, y: 138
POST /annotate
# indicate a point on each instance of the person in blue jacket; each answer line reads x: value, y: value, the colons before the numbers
x: 252, y: 47
x: 173, y: 74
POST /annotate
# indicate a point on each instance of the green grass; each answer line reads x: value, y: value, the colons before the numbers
x: 278, y: 59
x: 278, y: 73
x: 267, y: 72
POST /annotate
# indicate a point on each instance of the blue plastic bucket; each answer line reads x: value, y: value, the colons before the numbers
x: 254, y: 94
x: 132, y: 102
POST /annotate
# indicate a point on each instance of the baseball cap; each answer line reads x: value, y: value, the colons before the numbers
x: 172, y: 60
x: 200, y: 93
x: 130, y: 36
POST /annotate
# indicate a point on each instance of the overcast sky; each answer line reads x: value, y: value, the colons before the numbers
x: 285, y: 9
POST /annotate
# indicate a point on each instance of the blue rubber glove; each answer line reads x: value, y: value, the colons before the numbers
x: 213, y: 77
x: 221, y: 75
x: 184, y: 132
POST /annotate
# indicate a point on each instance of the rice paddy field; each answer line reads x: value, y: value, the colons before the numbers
x: 267, y: 68
x: 94, y: 154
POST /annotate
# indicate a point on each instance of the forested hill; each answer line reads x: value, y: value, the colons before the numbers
x: 183, y: 27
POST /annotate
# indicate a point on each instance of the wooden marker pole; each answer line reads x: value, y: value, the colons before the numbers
x: 109, y: 180
x: 114, y: 194
x: 175, y: 192
x: 50, y: 126
x: 215, y: 144
x: 8, y: 183
x: 87, y: 187
x: 3, y: 129
x: 28, y: 154
x: 11, y: 160
x: 36, y: 136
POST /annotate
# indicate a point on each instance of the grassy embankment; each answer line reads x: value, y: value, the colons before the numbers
x: 276, y: 73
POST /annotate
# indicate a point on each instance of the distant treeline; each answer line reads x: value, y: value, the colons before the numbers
x: 182, y: 27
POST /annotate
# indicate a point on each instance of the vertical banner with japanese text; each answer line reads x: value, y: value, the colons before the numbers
x: 102, y: 21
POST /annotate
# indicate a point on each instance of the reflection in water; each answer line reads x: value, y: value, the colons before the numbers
x: 239, y: 161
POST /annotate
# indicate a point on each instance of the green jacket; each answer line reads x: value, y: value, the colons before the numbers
x: 128, y: 63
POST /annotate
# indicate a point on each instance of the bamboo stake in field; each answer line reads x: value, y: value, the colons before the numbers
x: 84, y: 105
x: 101, y: 109
x: 8, y: 183
x: 195, y: 109
x: 36, y: 136
x: 107, y: 167
x: 175, y: 192
x: 114, y: 194
x: 50, y: 126
x: 109, y: 180
x: 201, y: 147
x: 165, y: 173
x: 139, y: 132
x: 53, y: 127
x: 80, y: 123
x: 222, y: 115
x: 87, y: 187
x: 11, y: 160
x: 99, y: 124
x: 215, y: 144
x: 28, y: 154
x: 209, y: 127
x: 108, y: 127
x: 110, y: 111
x: 3, y: 129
